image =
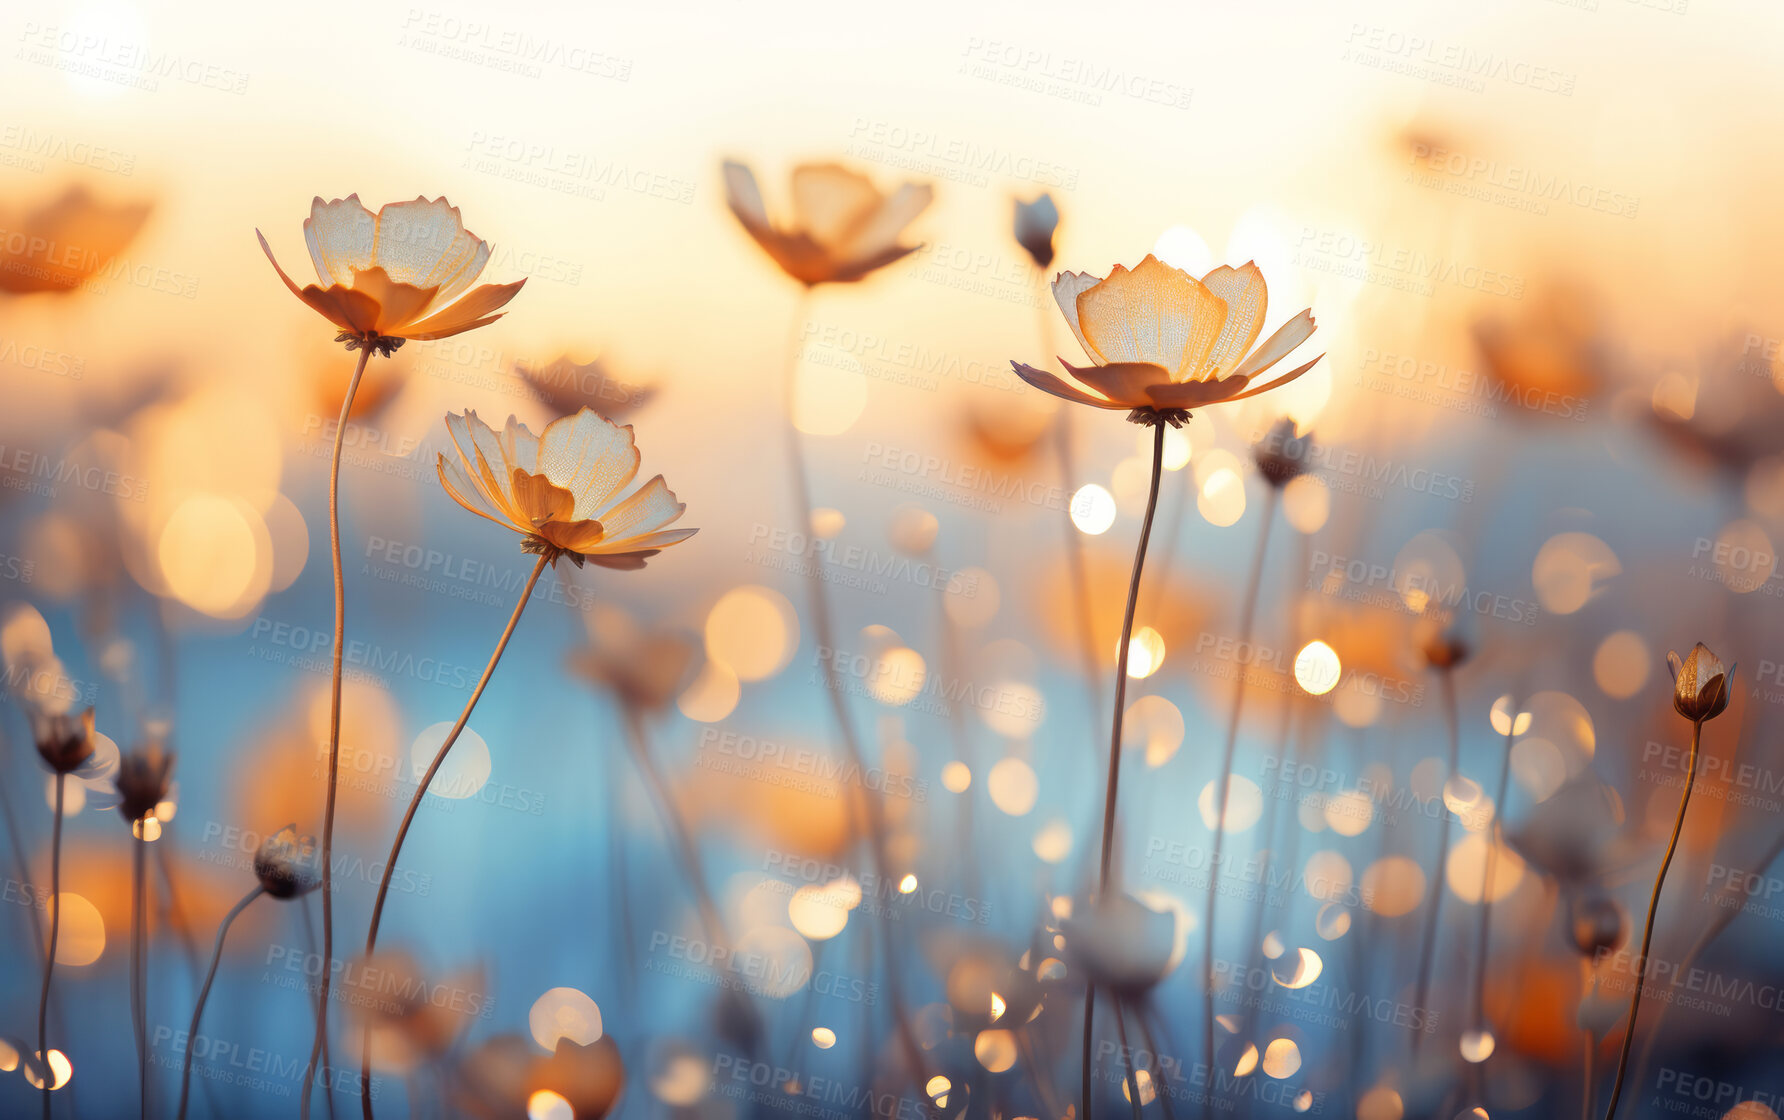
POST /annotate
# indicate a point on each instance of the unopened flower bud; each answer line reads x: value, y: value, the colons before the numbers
x: 287, y: 865
x: 1281, y: 456
x: 1700, y: 684
x: 65, y: 743
x: 1598, y: 925
x: 143, y: 781
x: 1035, y: 223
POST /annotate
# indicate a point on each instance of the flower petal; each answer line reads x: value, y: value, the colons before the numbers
x: 648, y: 509
x: 573, y: 536
x: 1067, y: 287
x: 1123, y: 382
x: 1191, y: 394
x: 471, y: 311
x: 1154, y: 313
x: 1283, y: 380
x: 1052, y: 383
x: 881, y: 230
x: 341, y: 235
x: 461, y: 490
x: 590, y: 456
x: 831, y: 203
x: 538, y: 499
x: 744, y: 196
x: 484, y: 460
x: 425, y: 244
x: 398, y: 303
x: 520, y: 447
x: 1288, y: 336
x: 1242, y: 290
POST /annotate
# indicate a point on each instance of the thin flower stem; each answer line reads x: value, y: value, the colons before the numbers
x: 1489, y: 868
x: 1641, y: 962
x: 822, y: 624
x: 1111, y: 789
x: 204, y: 993
x: 685, y: 847
x: 49, y: 958
x: 1428, y: 940
x: 1127, y: 1060
x: 138, y: 992
x: 1247, y: 615
x: 334, y: 728
x: 402, y: 832
x: 1586, y: 1093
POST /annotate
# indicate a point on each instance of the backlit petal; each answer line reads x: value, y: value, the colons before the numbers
x: 1123, y: 382
x: 1067, y: 287
x: 471, y: 311
x: 1155, y: 313
x: 646, y: 511
x: 831, y: 203
x: 538, y: 499
x: 398, y: 303
x: 341, y: 235
x: 1057, y: 386
x: 882, y: 229
x: 1288, y: 336
x: 1242, y: 290
x: 425, y: 244
x: 1283, y: 380
x: 590, y: 456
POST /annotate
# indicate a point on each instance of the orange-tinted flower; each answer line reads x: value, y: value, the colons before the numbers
x: 566, y: 385
x: 58, y: 246
x: 397, y: 274
x: 562, y: 489
x: 1162, y: 342
x: 842, y: 229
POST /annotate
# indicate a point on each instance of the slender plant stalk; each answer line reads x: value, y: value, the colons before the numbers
x: 1428, y: 940
x: 1725, y: 915
x: 49, y: 957
x: 310, y: 943
x: 1247, y: 615
x: 1489, y: 869
x: 204, y: 992
x: 334, y: 728
x: 1127, y: 1061
x: 1641, y: 963
x: 825, y: 628
x: 1112, y: 787
x: 1591, y: 1055
x: 402, y: 832
x: 685, y: 847
x: 138, y: 989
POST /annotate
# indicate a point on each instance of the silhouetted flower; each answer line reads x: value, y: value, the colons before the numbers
x: 65, y: 744
x: 60, y: 245
x: 1162, y: 342
x: 842, y: 227
x: 566, y: 386
x: 1281, y: 456
x: 397, y: 274
x: 1035, y: 223
x: 145, y: 777
x: 561, y: 489
x: 287, y: 865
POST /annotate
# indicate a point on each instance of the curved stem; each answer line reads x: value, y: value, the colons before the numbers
x: 204, y: 993
x: 1111, y: 788
x: 49, y: 958
x: 1428, y: 940
x: 1247, y: 615
x: 402, y: 832
x: 334, y: 728
x: 1641, y: 963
